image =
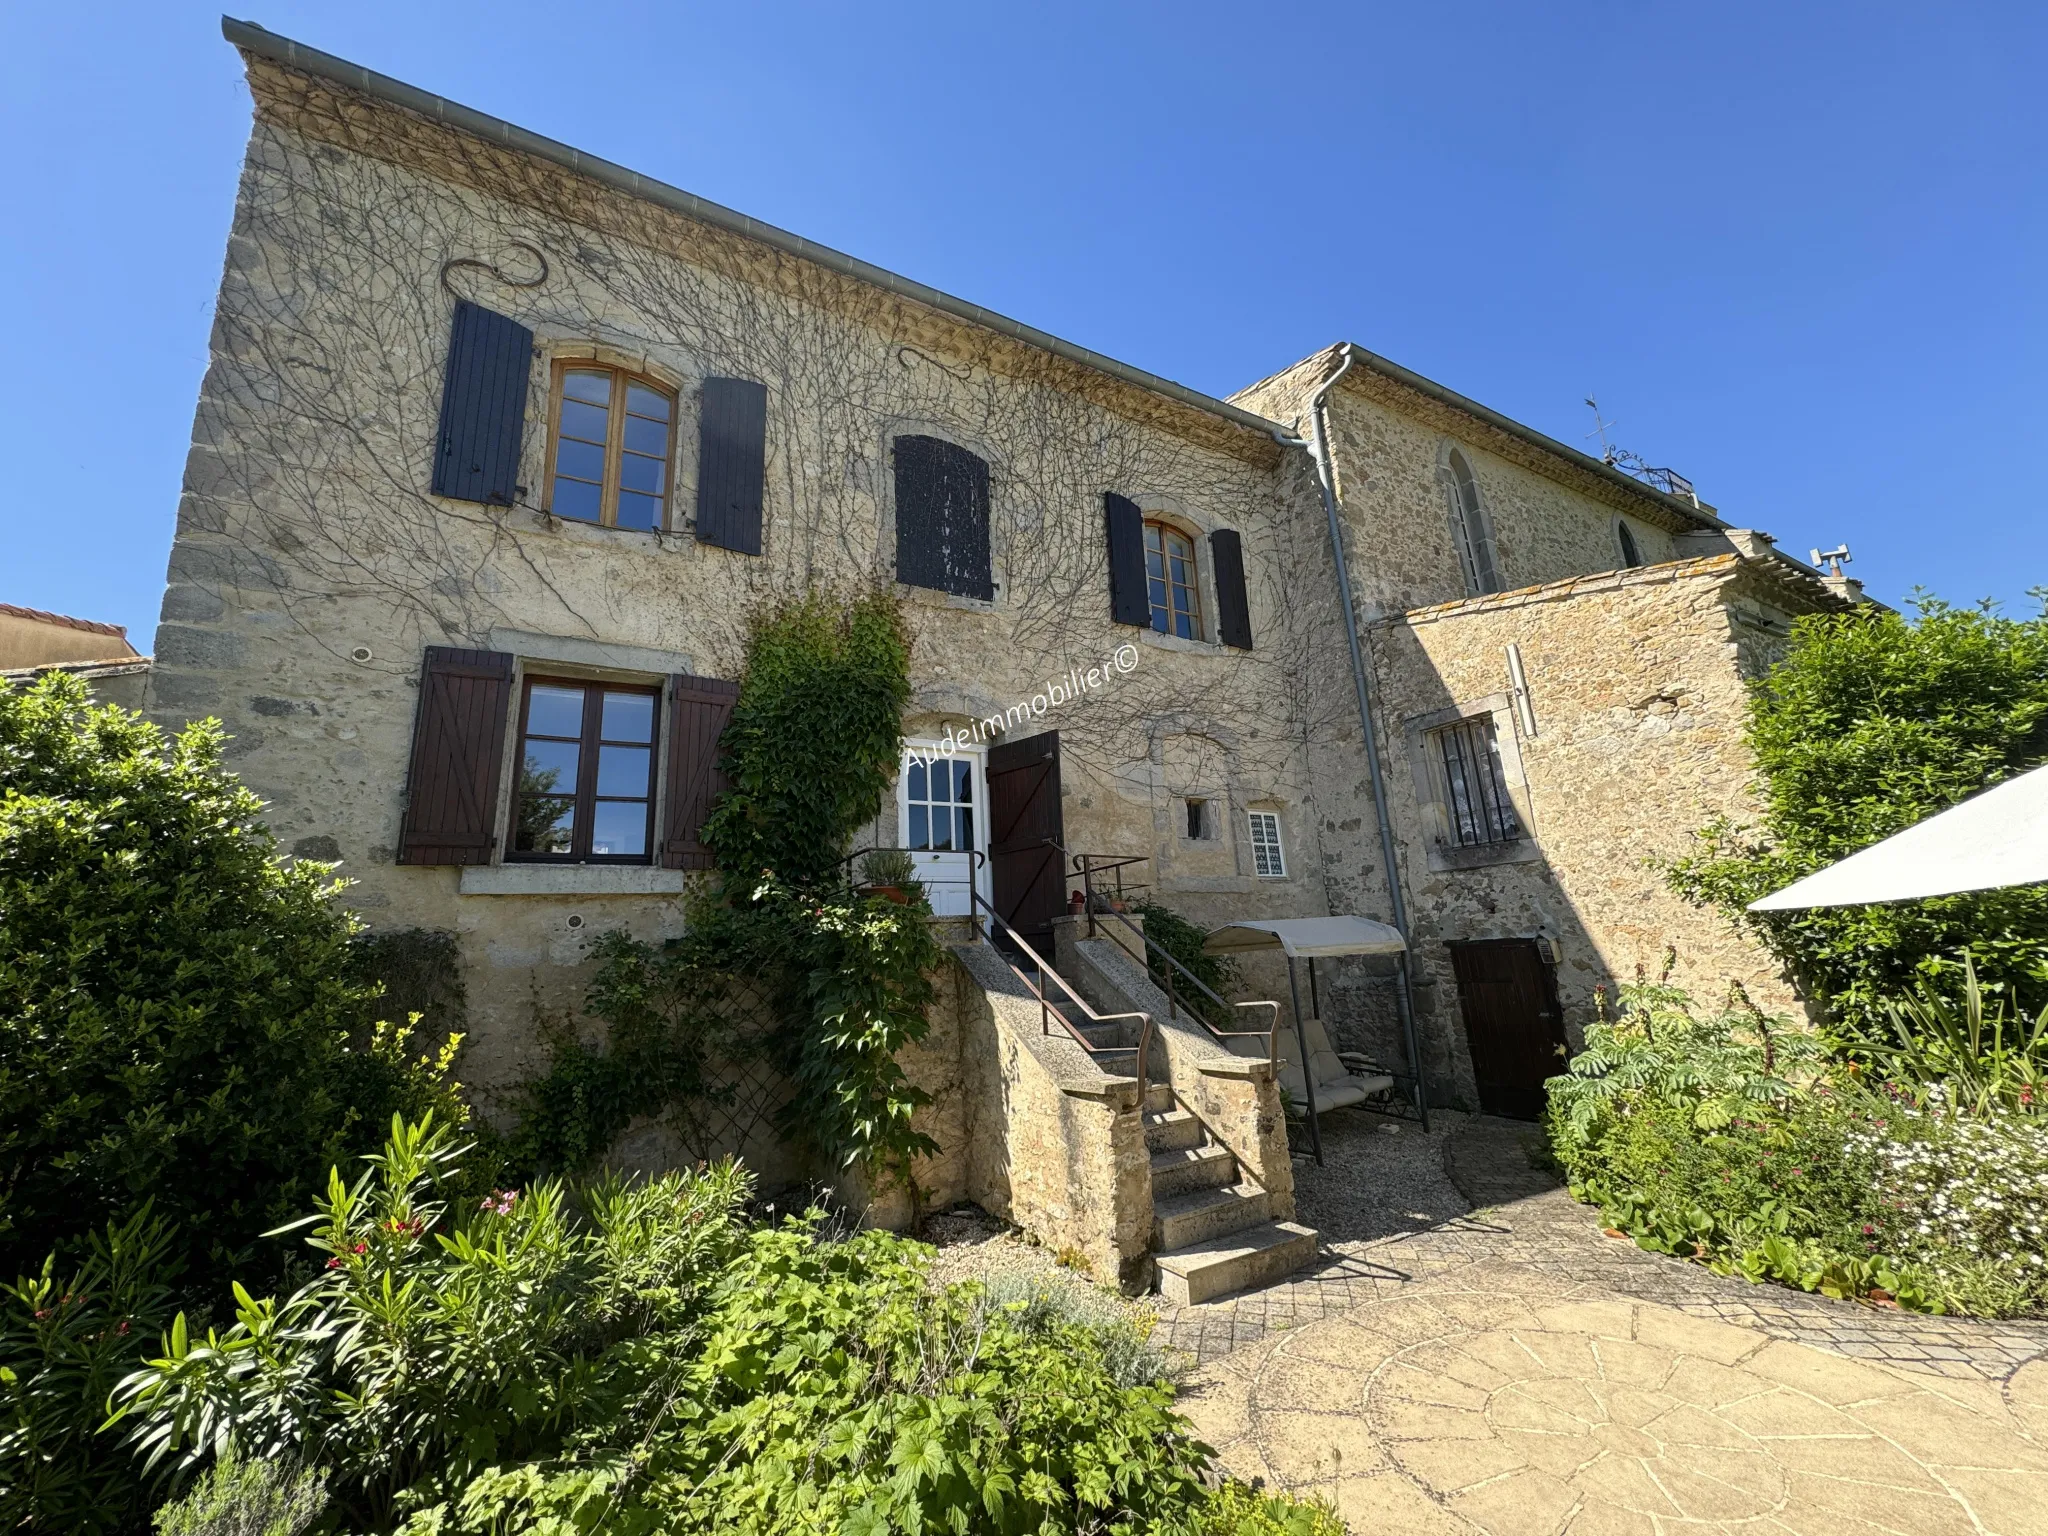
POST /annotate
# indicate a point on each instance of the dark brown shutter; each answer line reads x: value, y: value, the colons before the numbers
x: 1233, y: 609
x: 483, y: 407
x: 942, y: 507
x: 458, y: 751
x: 1125, y: 525
x: 698, y: 709
x: 731, y: 464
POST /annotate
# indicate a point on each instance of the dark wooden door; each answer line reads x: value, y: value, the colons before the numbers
x: 1027, y: 868
x: 1512, y: 1022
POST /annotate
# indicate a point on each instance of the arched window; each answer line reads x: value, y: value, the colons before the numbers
x: 1468, y: 523
x: 1171, y: 583
x: 608, y: 458
x: 1625, y: 536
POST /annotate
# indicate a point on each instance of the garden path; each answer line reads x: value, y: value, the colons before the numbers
x: 1507, y: 1368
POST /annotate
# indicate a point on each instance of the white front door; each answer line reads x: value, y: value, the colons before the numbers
x: 940, y: 808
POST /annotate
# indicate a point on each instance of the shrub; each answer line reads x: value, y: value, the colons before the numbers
x: 1693, y: 1137
x: 237, y: 1497
x: 67, y: 1337
x: 1872, y: 722
x: 628, y: 1358
x: 175, y: 1002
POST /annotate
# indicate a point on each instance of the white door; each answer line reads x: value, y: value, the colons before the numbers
x: 940, y: 801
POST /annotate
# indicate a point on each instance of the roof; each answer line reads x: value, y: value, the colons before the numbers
x: 254, y: 39
x: 41, y: 616
x: 1308, y: 938
x: 1795, y: 577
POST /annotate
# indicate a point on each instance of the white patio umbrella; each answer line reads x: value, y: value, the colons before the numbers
x: 1996, y: 837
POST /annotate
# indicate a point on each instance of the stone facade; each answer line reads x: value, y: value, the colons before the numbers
x: 313, y: 565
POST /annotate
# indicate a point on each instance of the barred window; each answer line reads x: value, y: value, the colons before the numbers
x: 1476, y: 800
x: 1267, y: 859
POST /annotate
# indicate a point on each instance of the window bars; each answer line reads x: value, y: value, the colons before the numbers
x: 1476, y: 798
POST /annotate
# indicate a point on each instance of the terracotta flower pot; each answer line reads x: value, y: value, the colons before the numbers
x: 894, y: 893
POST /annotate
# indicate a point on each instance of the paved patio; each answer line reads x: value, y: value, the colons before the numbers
x: 1512, y: 1370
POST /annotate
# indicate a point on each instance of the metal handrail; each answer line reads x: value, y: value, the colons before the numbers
x: 1085, y: 868
x: 1047, y: 1010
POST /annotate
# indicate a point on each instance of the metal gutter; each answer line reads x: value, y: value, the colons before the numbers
x: 1407, y: 378
x: 282, y: 50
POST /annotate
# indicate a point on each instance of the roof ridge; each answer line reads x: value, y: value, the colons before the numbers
x: 43, y: 615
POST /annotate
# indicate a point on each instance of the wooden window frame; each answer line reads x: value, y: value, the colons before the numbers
x: 615, y: 439
x: 1260, y: 846
x: 1192, y: 587
x: 586, y: 797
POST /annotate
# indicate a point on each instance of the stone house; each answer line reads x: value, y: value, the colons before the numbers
x: 33, y: 641
x: 500, y: 444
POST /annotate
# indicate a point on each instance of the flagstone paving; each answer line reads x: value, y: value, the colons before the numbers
x: 1511, y: 1369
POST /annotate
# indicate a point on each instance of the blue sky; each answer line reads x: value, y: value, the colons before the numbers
x: 1795, y: 250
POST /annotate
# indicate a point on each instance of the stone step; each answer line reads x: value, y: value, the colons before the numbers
x: 1182, y: 1169
x: 1174, y: 1128
x: 1257, y: 1255
x: 1158, y: 1097
x: 1102, y: 1036
x: 1179, y: 1220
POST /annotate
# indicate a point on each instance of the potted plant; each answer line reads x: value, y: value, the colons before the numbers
x: 891, y: 874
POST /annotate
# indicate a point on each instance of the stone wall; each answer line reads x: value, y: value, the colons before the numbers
x: 1636, y: 685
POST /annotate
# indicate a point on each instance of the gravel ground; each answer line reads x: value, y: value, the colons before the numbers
x: 1379, y: 1177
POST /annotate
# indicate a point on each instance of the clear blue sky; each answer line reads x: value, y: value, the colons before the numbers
x: 1796, y: 250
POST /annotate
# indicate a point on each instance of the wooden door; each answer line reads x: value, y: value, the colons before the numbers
x: 1026, y: 864
x: 1512, y: 1022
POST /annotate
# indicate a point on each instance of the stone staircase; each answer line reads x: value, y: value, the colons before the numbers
x: 1213, y: 1230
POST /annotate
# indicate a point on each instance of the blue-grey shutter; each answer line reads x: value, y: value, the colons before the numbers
x: 942, y: 509
x: 1125, y: 526
x: 1233, y: 609
x: 731, y: 464
x: 483, y: 407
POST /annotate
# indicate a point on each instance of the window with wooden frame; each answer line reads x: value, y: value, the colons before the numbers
x: 610, y: 446
x: 1477, y: 810
x: 585, y: 791
x: 1171, y: 583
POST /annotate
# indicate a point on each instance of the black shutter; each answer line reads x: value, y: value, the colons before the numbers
x: 483, y: 407
x: 1233, y: 610
x: 698, y: 710
x: 458, y: 749
x: 1125, y: 524
x: 731, y: 460
x: 942, y: 506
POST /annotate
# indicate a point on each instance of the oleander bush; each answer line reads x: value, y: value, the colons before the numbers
x: 1738, y: 1141
x: 632, y: 1358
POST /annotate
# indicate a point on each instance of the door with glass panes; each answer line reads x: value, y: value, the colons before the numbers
x: 939, y: 800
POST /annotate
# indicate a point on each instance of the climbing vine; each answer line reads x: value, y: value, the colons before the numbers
x: 844, y: 978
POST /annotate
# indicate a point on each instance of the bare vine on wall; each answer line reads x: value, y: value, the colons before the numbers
x: 322, y: 404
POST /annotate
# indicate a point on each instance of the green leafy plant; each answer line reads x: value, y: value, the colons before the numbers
x: 67, y: 1337
x: 1967, y: 1045
x: 890, y: 866
x: 813, y: 745
x: 1183, y: 940
x: 1872, y: 722
x: 181, y: 1015
x: 239, y: 1497
x: 628, y: 1358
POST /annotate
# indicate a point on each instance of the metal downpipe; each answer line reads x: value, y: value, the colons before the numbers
x: 1318, y: 446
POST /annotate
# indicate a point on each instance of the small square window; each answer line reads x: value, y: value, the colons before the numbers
x: 1268, y: 861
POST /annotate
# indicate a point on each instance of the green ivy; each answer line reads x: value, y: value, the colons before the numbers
x: 1872, y: 722
x: 812, y: 748
x: 1183, y: 940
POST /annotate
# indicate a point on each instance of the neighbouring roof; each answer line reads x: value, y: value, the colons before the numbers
x: 1795, y: 578
x: 41, y: 616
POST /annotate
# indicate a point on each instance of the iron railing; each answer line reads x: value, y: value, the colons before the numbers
x: 1047, y: 1009
x: 1086, y: 866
